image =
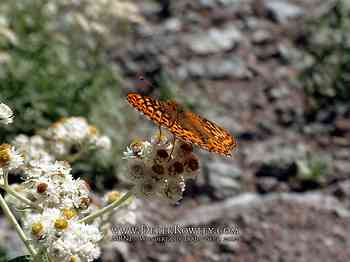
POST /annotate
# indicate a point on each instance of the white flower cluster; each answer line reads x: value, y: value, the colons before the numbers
x: 6, y: 114
x: 52, y: 185
x: 159, y: 168
x: 33, y: 148
x: 62, y: 201
x: 64, y: 139
x: 64, y: 238
x: 52, y: 203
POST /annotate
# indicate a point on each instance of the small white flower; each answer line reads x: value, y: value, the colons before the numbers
x: 79, y: 240
x: 104, y: 143
x: 173, y: 189
x: 191, y: 164
x: 37, y: 168
x: 147, y: 188
x: 32, y: 148
x: 138, y: 149
x: 70, y: 136
x: 136, y: 171
x: 47, y: 219
x: 63, y: 238
x: 6, y: 114
x: 59, y: 149
x: 9, y: 157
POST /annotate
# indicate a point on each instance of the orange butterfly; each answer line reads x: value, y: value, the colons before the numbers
x: 185, y: 125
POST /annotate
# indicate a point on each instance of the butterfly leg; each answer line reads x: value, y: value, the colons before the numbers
x: 172, y: 149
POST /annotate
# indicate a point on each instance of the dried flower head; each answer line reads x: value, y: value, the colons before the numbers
x: 160, y: 171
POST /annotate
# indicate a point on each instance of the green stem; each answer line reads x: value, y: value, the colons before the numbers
x: 25, y: 200
x: 17, y: 227
x: 106, y: 209
x: 6, y: 179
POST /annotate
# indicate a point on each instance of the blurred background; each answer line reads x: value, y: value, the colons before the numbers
x: 275, y: 73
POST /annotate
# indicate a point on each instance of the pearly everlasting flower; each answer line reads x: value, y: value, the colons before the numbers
x: 62, y: 237
x: 9, y: 157
x: 147, y: 188
x: 104, y: 143
x: 136, y: 170
x: 6, y: 114
x: 35, y: 169
x: 158, y: 169
x: 46, y: 219
x: 70, y: 136
x: 33, y: 148
x: 191, y: 166
x: 52, y: 185
x: 138, y: 149
x: 73, y: 129
x: 79, y: 240
x: 173, y: 189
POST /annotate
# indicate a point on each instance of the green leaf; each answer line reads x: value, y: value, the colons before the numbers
x: 22, y: 259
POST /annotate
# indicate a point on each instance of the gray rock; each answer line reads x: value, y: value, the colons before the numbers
x: 277, y: 150
x: 238, y: 205
x: 281, y: 10
x: 207, y: 3
x: 224, y: 178
x: 226, y: 3
x: 217, y: 69
x: 224, y: 168
x: 261, y: 37
x: 289, y: 55
x: 173, y: 25
x: 232, y: 2
x: 215, y: 40
x: 115, y: 251
x: 268, y: 184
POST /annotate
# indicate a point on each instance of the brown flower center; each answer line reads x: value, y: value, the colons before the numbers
x: 158, y: 169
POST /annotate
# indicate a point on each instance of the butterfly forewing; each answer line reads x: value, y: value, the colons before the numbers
x: 157, y: 111
x: 185, y: 125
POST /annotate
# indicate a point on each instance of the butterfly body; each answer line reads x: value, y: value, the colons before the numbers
x: 185, y: 125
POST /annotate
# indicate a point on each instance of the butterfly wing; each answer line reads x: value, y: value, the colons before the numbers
x: 185, y: 125
x: 204, y: 133
x: 162, y: 113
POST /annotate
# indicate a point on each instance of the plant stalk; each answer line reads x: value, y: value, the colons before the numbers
x: 16, y: 225
x: 106, y: 209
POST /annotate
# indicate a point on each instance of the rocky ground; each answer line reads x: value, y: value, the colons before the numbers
x: 236, y: 62
x: 278, y: 227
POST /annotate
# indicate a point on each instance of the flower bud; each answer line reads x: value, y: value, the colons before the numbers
x: 41, y: 188
x: 113, y: 196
